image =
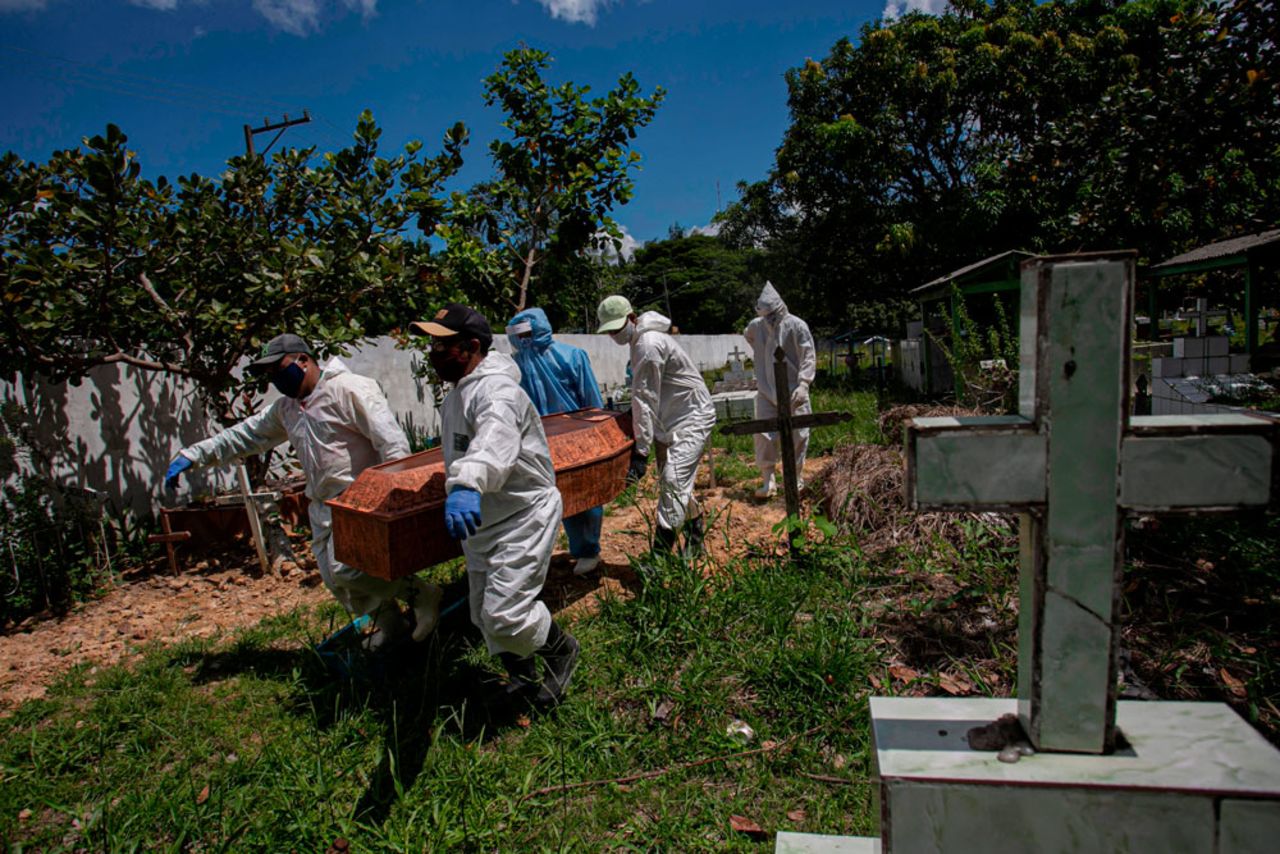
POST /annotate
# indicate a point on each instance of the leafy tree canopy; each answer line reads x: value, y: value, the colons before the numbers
x: 99, y: 265
x: 1058, y: 126
x: 567, y: 162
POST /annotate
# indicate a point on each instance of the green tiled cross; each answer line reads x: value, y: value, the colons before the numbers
x: 1072, y: 463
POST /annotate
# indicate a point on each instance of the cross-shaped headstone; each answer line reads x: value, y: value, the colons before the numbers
x: 1073, y: 464
x: 1202, y: 315
x: 784, y: 424
x: 737, y: 354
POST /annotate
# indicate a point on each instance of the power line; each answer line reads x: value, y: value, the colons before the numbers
x: 104, y: 86
x: 236, y: 101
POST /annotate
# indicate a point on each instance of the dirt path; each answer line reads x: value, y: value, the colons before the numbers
x: 218, y: 596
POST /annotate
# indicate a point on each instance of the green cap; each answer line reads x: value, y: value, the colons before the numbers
x: 613, y: 313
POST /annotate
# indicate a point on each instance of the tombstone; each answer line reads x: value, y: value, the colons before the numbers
x: 1101, y: 774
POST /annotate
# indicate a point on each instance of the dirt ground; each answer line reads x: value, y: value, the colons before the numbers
x: 220, y: 594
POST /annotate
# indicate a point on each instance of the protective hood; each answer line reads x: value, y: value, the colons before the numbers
x: 652, y: 321
x: 538, y: 325
x: 493, y: 363
x: 556, y: 376
x: 770, y: 303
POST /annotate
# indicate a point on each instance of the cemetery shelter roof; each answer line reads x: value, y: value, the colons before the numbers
x: 1224, y: 253
x: 1000, y: 267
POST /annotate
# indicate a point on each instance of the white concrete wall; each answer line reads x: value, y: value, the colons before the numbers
x: 117, y: 430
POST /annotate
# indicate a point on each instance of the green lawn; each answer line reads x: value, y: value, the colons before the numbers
x: 253, y: 744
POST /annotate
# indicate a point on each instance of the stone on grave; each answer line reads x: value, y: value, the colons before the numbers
x: 1105, y: 776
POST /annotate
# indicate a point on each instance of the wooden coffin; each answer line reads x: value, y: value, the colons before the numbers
x: 390, y: 522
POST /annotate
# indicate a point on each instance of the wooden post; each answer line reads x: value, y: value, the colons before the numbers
x: 790, y: 482
x: 255, y: 525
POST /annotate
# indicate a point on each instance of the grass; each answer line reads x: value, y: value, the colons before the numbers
x: 251, y: 743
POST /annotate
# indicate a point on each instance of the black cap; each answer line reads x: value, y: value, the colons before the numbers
x: 456, y: 319
x: 277, y: 348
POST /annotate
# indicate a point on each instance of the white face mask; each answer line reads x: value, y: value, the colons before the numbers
x: 622, y: 337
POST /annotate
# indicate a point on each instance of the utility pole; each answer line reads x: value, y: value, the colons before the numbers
x: 267, y: 127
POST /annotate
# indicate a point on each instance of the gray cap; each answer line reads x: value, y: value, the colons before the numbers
x: 279, y: 347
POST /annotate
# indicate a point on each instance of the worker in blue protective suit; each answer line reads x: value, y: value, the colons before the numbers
x: 558, y: 378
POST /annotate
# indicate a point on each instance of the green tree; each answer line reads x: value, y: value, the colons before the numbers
x: 565, y: 165
x: 707, y: 286
x: 1077, y: 124
x: 99, y: 265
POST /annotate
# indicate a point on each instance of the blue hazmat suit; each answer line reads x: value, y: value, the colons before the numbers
x: 558, y: 378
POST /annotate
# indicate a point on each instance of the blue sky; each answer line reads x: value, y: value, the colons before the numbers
x: 182, y: 77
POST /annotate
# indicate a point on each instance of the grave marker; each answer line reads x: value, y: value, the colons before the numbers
x: 1170, y: 776
x: 784, y: 424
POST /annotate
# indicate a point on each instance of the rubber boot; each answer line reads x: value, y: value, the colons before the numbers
x: 387, y: 626
x: 424, y: 598
x: 522, y: 674
x: 695, y: 531
x: 559, y: 658
x: 767, y: 488
x: 664, y: 540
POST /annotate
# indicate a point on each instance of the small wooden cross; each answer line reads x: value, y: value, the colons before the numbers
x: 784, y: 424
x: 1073, y: 464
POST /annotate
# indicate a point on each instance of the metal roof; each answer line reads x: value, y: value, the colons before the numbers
x: 1222, y: 249
x: 977, y: 266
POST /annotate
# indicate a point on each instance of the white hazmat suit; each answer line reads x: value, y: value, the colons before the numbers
x: 340, y: 429
x: 494, y: 443
x: 669, y: 401
x: 776, y: 327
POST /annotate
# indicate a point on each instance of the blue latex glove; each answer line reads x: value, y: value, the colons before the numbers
x: 462, y: 512
x: 177, y: 467
x: 637, y: 467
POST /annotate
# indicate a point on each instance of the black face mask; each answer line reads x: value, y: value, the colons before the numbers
x: 451, y: 364
x: 288, y: 381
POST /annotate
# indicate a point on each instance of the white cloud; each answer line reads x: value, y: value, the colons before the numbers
x: 368, y: 8
x: 298, y: 17
x: 22, y: 5
x: 302, y: 17
x: 575, y: 11
x: 895, y: 9
x: 604, y: 247
x: 711, y: 229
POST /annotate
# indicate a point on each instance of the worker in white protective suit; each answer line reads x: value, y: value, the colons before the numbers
x: 339, y: 425
x: 776, y: 327
x: 669, y: 399
x: 502, y: 502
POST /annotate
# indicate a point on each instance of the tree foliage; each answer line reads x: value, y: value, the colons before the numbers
x: 567, y: 162
x: 705, y: 285
x: 1076, y: 124
x: 102, y: 266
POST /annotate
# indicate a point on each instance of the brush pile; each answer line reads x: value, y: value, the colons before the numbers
x: 862, y: 492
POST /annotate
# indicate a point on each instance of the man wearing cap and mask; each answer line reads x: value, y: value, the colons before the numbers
x: 776, y: 327
x: 558, y: 378
x: 670, y: 399
x: 502, y: 501
x: 339, y: 424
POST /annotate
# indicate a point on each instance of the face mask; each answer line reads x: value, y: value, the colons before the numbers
x: 623, y: 336
x: 450, y: 365
x: 524, y: 345
x: 289, y: 380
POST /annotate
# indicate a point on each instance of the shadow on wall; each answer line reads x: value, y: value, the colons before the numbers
x: 114, y: 433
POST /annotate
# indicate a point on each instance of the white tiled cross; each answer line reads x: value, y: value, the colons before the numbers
x: 1073, y: 464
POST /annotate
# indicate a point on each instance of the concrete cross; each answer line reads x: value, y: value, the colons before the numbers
x: 1073, y: 464
x: 784, y: 424
x: 737, y: 354
x: 1202, y: 315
